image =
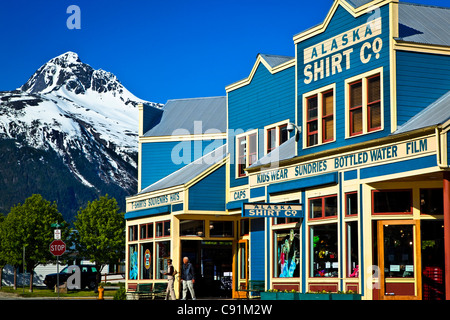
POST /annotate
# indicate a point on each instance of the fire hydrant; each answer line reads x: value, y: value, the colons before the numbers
x: 100, y: 293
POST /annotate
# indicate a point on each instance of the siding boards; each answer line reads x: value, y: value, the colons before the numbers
x: 267, y: 99
x: 209, y: 193
x: 421, y: 79
x: 257, y: 249
x: 157, y: 160
x: 343, y: 21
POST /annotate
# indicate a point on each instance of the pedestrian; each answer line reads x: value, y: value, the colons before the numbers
x: 188, y: 278
x: 171, y: 272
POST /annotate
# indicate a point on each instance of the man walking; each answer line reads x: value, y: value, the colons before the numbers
x: 170, y: 277
x: 188, y: 278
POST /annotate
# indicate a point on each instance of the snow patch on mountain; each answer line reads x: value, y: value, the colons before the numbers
x: 73, y: 109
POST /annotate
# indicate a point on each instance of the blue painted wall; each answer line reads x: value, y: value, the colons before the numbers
x: 157, y: 160
x: 343, y: 21
x: 421, y: 79
x: 209, y: 193
x: 257, y: 249
x: 267, y: 99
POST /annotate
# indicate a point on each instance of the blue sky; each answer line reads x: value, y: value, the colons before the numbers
x: 159, y: 50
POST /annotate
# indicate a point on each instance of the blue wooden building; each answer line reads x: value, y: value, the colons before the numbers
x: 330, y: 170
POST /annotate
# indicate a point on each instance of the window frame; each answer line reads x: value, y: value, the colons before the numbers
x: 323, y: 199
x: 411, y: 205
x: 365, y: 107
x: 347, y: 194
x: 163, y: 223
x: 319, y: 94
x: 277, y: 126
x: 147, y: 227
x: 246, y: 157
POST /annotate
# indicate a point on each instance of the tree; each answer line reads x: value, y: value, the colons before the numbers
x: 100, y: 232
x: 2, y: 255
x: 28, y: 227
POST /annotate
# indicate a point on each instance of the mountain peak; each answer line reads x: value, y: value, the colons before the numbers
x: 66, y: 59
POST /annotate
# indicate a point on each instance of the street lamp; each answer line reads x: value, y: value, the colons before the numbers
x: 291, y: 126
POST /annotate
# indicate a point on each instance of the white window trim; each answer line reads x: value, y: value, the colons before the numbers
x: 277, y: 126
x: 364, y: 102
x: 246, y: 134
x: 319, y: 93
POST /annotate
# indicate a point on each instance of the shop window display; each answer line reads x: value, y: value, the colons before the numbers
x: 324, y: 251
x: 133, y: 266
x: 431, y: 201
x: 146, y: 260
x: 162, y: 254
x: 352, y: 249
x: 288, y: 254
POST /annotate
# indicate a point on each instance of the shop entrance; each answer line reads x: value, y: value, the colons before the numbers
x: 212, y: 261
x: 400, y: 274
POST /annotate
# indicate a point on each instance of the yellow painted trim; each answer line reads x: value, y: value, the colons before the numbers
x: 205, y: 173
x: 296, y: 96
x: 343, y: 3
x: 139, y: 186
x: 259, y: 59
x: 187, y: 137
x: 141, y: 119
x: 393, y: 29
x: 421, y: 47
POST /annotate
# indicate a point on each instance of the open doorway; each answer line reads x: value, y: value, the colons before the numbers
x: 212, y: 261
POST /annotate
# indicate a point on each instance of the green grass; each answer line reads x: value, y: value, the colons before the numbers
x: 39, y: 292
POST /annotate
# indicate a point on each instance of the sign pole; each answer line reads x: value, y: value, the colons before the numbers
x: 57, y: 274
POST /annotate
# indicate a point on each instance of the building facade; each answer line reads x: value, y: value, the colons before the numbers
x: 329, y: 171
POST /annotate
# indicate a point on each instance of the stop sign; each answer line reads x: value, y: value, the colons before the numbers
x: 57, y: 247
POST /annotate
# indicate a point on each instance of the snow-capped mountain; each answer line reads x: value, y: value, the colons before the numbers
x: 85, y: 116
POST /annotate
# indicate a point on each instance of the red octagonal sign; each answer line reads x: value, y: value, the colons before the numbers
x: 57, y: 247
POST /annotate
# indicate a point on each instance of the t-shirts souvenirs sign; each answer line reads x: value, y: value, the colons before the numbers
x: 272, y: 210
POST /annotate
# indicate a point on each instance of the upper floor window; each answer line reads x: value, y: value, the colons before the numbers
x: 276, y: 134
x: 364, y: 104
x: 319, y: 110
x: 247, y: 152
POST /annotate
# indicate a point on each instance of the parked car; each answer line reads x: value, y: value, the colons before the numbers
x: 88, y: 277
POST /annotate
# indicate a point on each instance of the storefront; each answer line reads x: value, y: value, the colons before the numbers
x: 333, y: 172
x: 372, y: 224
x: 368, y: 164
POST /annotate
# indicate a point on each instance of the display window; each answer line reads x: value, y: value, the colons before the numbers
x: 352, y: 249
x: 287, y: 262
x: 146, y: 260
x: 324, y: 250
x: 162, y: 254
x: 431, y: 201
x: 133, y: 262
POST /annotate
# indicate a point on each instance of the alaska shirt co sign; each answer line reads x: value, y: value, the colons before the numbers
x: 272, y: 210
